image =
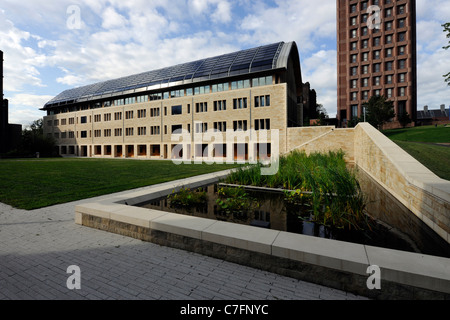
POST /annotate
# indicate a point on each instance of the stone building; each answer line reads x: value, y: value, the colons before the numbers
x: 227, y: 107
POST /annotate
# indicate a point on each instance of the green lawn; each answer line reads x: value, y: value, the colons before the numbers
x: 421, y: 143
x: 32, y: 184
x: 433, y: 134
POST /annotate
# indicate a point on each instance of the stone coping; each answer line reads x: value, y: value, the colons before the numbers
x: 407, y: 269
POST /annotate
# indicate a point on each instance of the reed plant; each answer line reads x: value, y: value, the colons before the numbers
x: 334, y: 194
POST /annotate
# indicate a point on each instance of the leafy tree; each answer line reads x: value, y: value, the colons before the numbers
x: 404, y: 119
x: 447, y: 30
x: 323, y: 114
x: 379, y: 110
x: 33, y: 141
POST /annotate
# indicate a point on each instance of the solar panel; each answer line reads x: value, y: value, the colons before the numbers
x: 241, y: 62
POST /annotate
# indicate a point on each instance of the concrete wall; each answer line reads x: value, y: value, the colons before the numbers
x: 410, y: 182
x: 419, y: 189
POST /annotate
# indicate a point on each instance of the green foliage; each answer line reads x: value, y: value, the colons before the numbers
x: 331, y: 190
x: 404, y: 119
x: 379, y: 110
x: 447, y: 30
x: 187, y: 198
x: 235, y: 200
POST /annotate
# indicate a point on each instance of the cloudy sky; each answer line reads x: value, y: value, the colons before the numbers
x: 51, y: 46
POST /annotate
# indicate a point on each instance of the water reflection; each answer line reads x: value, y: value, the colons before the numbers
x: 396, y: 227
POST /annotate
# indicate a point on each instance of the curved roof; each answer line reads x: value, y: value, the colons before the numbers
x: 268, y: 57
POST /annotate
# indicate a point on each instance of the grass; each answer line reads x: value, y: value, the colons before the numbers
x: 32, y: 184
x: 430, y: 134
x: 336, y: 197
x: 423, y: 144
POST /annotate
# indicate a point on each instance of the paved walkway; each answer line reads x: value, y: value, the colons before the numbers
x: 37, y: 247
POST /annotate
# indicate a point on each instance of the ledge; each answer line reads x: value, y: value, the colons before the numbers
x: 333, y: 263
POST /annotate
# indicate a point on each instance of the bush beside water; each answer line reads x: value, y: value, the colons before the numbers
x: 331, y: 189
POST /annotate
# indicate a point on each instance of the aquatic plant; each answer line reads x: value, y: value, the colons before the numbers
x: 234, y: 200
x: 186, y: 198
x: 334, y: 195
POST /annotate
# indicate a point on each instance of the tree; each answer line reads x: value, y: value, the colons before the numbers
x: 379, y: 110
x: 33, y: 141
x: 404, y: 119
x: 447, y: 30
x: 323, y: 114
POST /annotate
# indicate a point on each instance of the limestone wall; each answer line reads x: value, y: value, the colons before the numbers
x: 419, y: 189
x: 415, y: 186
x: 322, y: 139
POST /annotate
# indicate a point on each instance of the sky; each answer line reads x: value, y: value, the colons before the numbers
x: 50, y: 46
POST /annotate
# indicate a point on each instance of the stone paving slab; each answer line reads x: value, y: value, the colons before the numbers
x: 37, y: 247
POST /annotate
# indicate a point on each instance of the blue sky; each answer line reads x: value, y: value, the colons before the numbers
x: 50, y: 46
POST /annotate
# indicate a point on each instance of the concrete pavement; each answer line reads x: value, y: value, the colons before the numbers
x: 37, y: 247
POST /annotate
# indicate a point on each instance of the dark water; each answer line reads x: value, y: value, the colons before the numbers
x: 394, y: 226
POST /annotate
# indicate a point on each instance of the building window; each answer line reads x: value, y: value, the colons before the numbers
x: 118, y: 116
x: 388, y: 26
x: 129, y: 132
x: 107, y: 132
x: 401, y: 50
x: 201, y: 90
x: 240, y: 103
x: 402, y: 64
x: 130, y: 100
x: 389, y: 66
x: 353, y: 58
x: 353, y: 71
x: 402, y: 36
x: 354, y: 96
x: 118, y: 132
x: 388, y: 52
x: 240, y: 125
x: 97, y: 133
x: 119, y: 102
x: 365, y: 31
x: 389, y: 93
x: 83, y: 134
x: 262, y: 81
x: 388, y: 39
x: 129, y: 115
x: 402, y: 92
x: 154, y: 112
x: 377, y: 41
x: 402, y: 77
x: 220, y: 105
x: 376, y: 54
x: 401, y: 9
x: 365, y: 69
x: 262, y: 124
x: 262, y: 101
x: 365, y: 95
x: 219, y: 87
x: 155, y: 96
x: 365, y: 56
x: 141, y: 99
x: 177, y: 110
x: 71, y: 120
x: 176, y: 93
x: 71, y: 135
x: 107, y: 117
x: 142, y: 131
x: 388, y: 12
x: 365, y: 82
x: 201, y: 127
x: 365, y: 44
x: 389, y: 79
x: 83, y: 119
x: 155, y: 130
x: 354, y: 111
x: 401, y: 23
x: 353, y: 46
x: 376, y: 81
x: 353, y: 84
x: 201, y: 107
x: 353, y: 21
x: 142, y: 113
x: 220, y: 126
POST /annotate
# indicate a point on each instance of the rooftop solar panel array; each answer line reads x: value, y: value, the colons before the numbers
x: 241, y: 62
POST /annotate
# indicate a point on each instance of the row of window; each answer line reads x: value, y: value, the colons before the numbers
x: 200, y: 107
x: 376, y: 81
x: 364, y: 5
x: 401, y: 36
x: 376, y: 54
x: 220, y: 126
x: 376, y: 67
x: 389, y: 93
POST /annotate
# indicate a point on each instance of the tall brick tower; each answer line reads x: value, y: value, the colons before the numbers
x: 376, y: 43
